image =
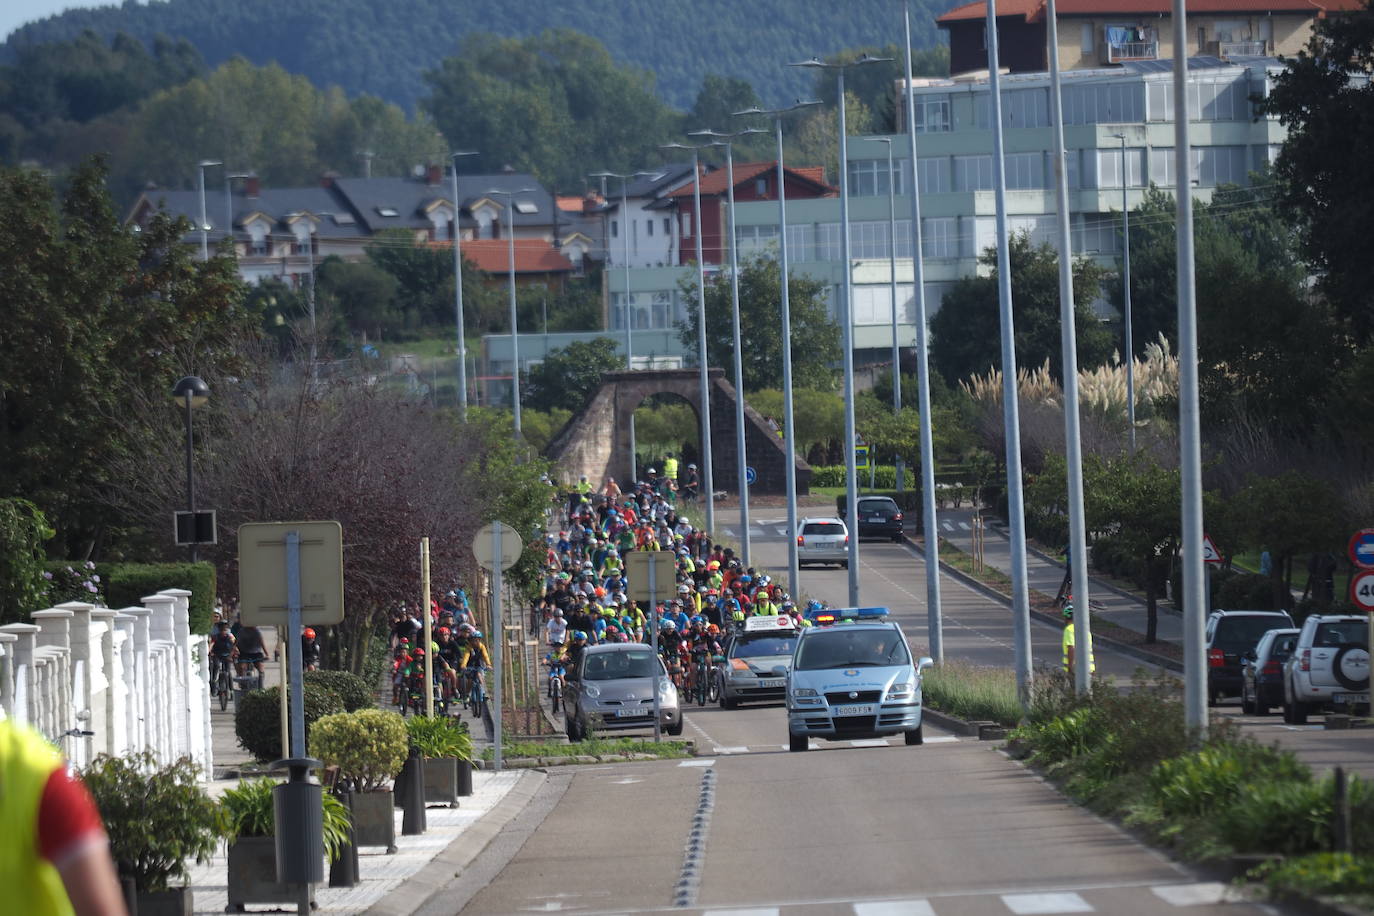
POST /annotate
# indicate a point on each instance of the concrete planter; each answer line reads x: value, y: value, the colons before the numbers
x: 374, y: 819
x: 253, y: 874
x: 175, y: 901
x: 441, y: 781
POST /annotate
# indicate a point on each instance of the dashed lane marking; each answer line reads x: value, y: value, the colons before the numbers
x: 894, y: 908
x: 700, y: 762
x: 1045, y: 904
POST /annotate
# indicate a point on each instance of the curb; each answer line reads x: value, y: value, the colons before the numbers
x: 988, y: 591
x: 426, y: 884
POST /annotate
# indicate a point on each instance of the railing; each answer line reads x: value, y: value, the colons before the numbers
x: 1130, y: 50
x: 1240, y: 48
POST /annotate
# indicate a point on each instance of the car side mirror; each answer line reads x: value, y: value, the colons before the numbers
x: 925, y: 662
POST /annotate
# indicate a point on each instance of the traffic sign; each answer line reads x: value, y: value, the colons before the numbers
x: 1362, y: 590
x: 1210, y: 554
x: 638, y: 564
x: 263, y: 580
x: 484, y: 546
x: 750, y: 475
x: 1362, y: 548
x: 861, y: 457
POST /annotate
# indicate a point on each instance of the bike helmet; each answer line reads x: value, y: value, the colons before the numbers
x: 712, y: 629
x: 612, y: 629
x: 418, y: 653
x: 579, y: 634
x: 697, y: 620
x: 443, y: 631
x: 476, y: 634
x: 308, y: 633
x: 465, y: 630
x: 668, y: 625
x: 1068, y: 611
x: 683, y: 589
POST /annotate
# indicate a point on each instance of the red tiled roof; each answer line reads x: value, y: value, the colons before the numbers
x: 814, y: 172
x: 532, y: 256
x: 1034, y: 10
x: 717, y: 182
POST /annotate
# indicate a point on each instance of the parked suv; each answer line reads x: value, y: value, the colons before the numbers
x: 1230, y: 634
x: 822, y: 540
x: 879, y: 516
x: 1329, y: 666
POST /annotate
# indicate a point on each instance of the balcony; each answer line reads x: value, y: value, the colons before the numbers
x: 1228, y: 49
x: 1129, y: 50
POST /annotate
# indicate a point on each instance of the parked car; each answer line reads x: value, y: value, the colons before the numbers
x: 879, y: 516
x: 822, y: 540
x: 1329, y: 666
x: 612, y: 689
x: 1230, y: 634
x: 1261, y: 671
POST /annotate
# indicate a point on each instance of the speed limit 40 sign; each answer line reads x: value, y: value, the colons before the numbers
x: 1362, y: 589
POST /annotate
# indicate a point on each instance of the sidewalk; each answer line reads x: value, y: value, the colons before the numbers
x: 396, y: 883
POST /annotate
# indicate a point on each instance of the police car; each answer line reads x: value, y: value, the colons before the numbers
x: 756, y: 660
x: 853, y: 677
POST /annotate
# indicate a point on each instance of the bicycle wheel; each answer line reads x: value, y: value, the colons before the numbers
x: 712, y: 689
x: 487, y: 722
x: 556, y: 692
x: 223, y: 690
x: 701, y: 685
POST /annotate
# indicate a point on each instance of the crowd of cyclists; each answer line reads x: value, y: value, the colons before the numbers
x: 585, y: 602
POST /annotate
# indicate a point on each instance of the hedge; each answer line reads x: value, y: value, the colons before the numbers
x: 127, y: 584
x: 353, y: 692
x: 884, y: 477
x: 257, y: 718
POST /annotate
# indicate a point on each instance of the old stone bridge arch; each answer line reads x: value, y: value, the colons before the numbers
x: 596, y: 441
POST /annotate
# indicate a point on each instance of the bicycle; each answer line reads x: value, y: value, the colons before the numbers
x: 221, y: 681
x: 477, y: 701
x: 555, y: 688
x: 703, y: 679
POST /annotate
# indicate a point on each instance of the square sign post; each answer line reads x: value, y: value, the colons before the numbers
x: 646, y: 572
x: 497, y: 546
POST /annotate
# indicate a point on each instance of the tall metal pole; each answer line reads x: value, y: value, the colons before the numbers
x: 741, y: 458
x: 429, y: 625
x: 851, y: 475
x: 892, y: 284
x: 1126, y: 298
x: 497, y: 636
x: 204, y: 219
x: 1020, y: 594
x: 190, y: 478
x: 514, y: 329
x: 934, y: 619
x: 788, y: 426
x: 1068, y: 339
x: 1194, y: 595
x: 629, y: 320
x: 458, y: 292
x: 706, y: 459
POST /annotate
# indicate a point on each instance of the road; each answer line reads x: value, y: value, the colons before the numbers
x: 951, y: 828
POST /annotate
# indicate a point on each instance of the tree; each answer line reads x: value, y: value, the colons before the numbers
x: 815, y: 337
x: 1288, y: 515
x: 570, y: 375
x: 22, y: 533
x: 716, y: 103
x: 98, y: 316
x: 1325, y: 99
x: 817, y: 136
x: 872, y: 84
x: 362, y: 293
x: 966, y: 333
x: 1142, y: 499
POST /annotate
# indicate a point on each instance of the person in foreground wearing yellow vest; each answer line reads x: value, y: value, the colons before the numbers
x: 54, y: 857
x: 1068, y: 644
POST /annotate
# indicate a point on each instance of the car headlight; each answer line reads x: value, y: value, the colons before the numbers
x: 591, y: 690
x: 804, y: 692
x: 901, y: 691
x: 666, y: 690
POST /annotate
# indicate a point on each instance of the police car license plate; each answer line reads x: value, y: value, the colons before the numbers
x: 771, y: 682
x: 1350, y: 698
x: 861, y: 710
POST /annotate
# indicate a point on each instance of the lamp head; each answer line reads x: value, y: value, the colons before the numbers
x: 195, y: 387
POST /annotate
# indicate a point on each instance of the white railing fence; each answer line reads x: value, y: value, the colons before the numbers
x: 135, y: 677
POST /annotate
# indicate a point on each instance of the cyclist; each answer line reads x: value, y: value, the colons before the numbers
x: 223, y: 647
x: 310, y: 650
x: 252, y: 650
x: 671, y: 647
x: 701, y: 645
x: 473, y: 657
x: 446, y: 653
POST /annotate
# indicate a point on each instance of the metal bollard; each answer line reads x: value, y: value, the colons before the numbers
x: 464, y: 778
x: 343, y: 872
x: 413, y: 817
x: 298, y: 808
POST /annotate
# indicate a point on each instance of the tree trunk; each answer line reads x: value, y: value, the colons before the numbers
x: 1151, y: 599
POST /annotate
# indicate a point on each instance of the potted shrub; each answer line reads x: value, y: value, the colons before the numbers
x: 248, y: 823
x: 257, y: 717
x: 443, y: 743
x: 368, y: 747
x: 158, y: 819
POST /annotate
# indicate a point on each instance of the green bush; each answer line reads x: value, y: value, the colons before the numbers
x: 353, y: 692
x: 126, y: 584
x: 439, y: 736
x: 368, y: 746
x: 257, y: 719
x: 1324, y: 873
x: 1294, y: 816
x: 1212, y: 778
x: 23, y: 529
x: 157, y: 817
x: 884, y: 477
x: 248, y: 810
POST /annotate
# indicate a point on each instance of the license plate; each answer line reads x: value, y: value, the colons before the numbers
x: 771, y: 682
x: 628, y: 712
x: 862, y: 710
x: 876, y: 518
x: 1350, y: 698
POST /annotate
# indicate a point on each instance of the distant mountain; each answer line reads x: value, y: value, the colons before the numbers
x: 382, y: 47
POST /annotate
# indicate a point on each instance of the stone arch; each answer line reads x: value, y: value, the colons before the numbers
x: 596, y: 441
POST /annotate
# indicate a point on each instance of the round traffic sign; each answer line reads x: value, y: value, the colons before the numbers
x: 1362, y: 589
x: 484, y: 546
x: 750, y: 475
x: 1362, y: 548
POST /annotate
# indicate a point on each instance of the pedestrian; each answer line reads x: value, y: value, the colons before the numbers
x: 1068, y: 647
x: 1266, y: 562
x: 1065, y: 587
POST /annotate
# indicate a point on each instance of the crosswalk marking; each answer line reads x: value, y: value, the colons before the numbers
x: 965, y: 526
x: 894, y: 908
x: 941, y: 739
x: 947, y: 525
x: 869, y: 742
x: 1045, y: 904
x: 782, y: 531
x: 730, y: 750
x: 700, y: 762
x: 1205, y: 893
x: 758, y: 911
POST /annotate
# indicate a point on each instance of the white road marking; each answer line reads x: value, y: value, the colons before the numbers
x: 729, y: 750
x: 702, y: 762
x: 1043, y: 904
x: 947, y: 525
x: 782, y: 532
x: 894, y: 908
x: 1206, y: 893
x: 757, y: 911
x: 628, y: 780
x: 941, y: 739
x: 965, y: 526
x: 869, y: 742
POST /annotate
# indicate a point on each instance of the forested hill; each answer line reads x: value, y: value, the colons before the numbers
x: 382, y: 46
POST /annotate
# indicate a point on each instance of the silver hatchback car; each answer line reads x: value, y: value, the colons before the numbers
x: 612, y: 689
x: 822, y: 540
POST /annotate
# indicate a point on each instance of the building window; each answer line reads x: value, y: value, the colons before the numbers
x: 1025, y: 171
x: 1109, y: 168
x: 1096, y: 232
x: 615, y: 229
x: 972, y: 173
x: 667, y: 225
x: 869, y: 177
x: 934, y: 175
x: 932, y: 114
x: 940, y: 237
x: 1085, y: 40
x: 1212, y: 166
x: 686, y: 225
x: 760, y: 187
x: 649, y: 225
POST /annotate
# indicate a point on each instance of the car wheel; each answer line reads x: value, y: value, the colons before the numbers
x: 915, y: 736
x: 574, y: 728
x: 896, y: 539
x: 676, y: 728
x: 727, y: 702
x: 1257, y: 707
x: 844, y: 565
x: 797, y: 742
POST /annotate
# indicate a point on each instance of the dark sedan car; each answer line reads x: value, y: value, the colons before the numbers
x: 879, y: 516
x: 1261, y: 673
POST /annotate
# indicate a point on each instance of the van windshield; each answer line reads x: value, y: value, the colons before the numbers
x: 841, y: 647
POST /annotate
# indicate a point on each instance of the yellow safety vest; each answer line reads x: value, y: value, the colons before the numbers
x: 584, y: 487
x: 670, y: 468
x: 1068, y: 641
x: 31, y: 884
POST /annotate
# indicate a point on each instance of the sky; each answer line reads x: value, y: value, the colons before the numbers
x: 15, y: 13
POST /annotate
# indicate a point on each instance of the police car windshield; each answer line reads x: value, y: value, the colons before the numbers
x: 762, y: 646
x: 841, y: 647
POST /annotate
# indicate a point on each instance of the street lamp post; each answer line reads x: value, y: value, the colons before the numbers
x: 204, y: 219
x: 892, y: 278
x: 721, y: 139
x: 1126, y: 297
x: 708, y: 479
x: 458, y: 290
x: 193, y: 392
x: 514, y: 329
x: 847, y: 316
x: 789, y: 434
x: 229, y: 205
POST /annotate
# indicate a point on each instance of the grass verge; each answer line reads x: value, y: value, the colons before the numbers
x: 972, y: 692
x: 592, y: 747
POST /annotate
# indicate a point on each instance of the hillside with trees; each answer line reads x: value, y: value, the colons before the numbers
x: 383, y: 49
